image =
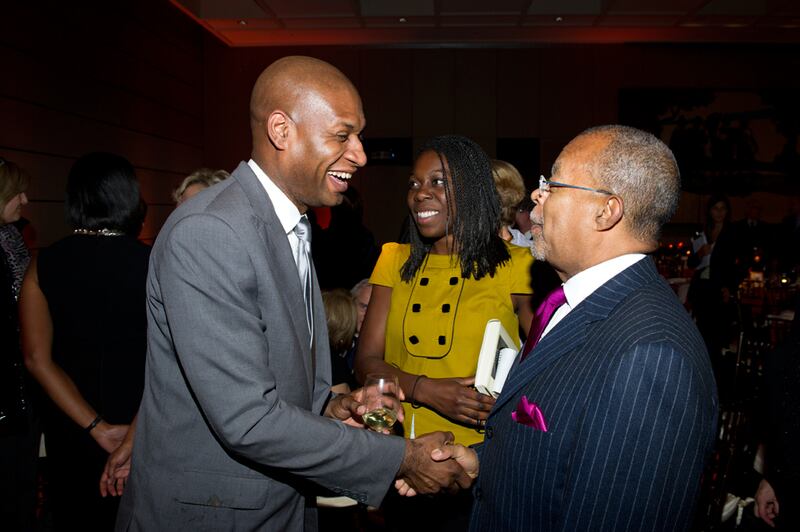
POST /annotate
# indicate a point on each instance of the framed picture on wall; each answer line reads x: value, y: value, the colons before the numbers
x: 388, y: 151
x: 736, y: 141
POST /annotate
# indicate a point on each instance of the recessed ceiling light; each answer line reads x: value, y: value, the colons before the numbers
x: 243, y: 23
x: 402, y: 19
x: 559, y: 19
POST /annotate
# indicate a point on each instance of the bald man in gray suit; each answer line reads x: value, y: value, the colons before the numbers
x: 237, y: 423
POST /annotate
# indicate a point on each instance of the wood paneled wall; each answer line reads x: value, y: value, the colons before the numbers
x: 77, y: 77
x: 139, y: 78
x: 549, y: 93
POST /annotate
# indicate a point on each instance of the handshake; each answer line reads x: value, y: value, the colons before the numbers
x: 433, y: 463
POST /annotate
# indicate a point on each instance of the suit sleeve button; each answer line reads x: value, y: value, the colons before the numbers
x: 489, y: 433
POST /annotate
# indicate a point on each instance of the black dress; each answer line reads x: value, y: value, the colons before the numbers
x: 19, y: 435
x: 95, y: 289
x: 714, y: 317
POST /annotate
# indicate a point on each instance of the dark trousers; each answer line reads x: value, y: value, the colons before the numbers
x: 18, y: 455
x: 444, y: 513
x: 75, y: 463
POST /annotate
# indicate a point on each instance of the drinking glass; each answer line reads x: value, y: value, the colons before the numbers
x: 380, y: 398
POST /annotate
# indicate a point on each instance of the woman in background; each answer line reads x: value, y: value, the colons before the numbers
x: 431, y: 300
x: 19, y: 441
x: 511, y: 191
x: 716, y: 277
x: 83, y: 329
x: 200, y: 179
x: 522, y: 220
x: 342, y: 318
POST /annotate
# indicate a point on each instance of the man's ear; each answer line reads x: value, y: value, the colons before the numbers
x: 278, y: 126
x: 610, y: 214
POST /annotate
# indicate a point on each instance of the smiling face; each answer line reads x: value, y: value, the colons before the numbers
x: 427, y: 200
x: 12, y: 210
x: 325, y: 147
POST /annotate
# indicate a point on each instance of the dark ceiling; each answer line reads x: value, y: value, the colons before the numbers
x: 494, y: 22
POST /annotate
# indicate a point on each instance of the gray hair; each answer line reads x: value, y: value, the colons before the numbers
x: 363, y: 283
x: 201, y: 176
x: 642, y: 170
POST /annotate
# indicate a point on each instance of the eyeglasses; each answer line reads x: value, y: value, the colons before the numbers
x: 545, y: 185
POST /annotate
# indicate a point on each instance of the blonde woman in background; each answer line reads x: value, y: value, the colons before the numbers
x: 200, y: 179
x: 511, y: 191
x: 342, y: 317
x: 19, y: 432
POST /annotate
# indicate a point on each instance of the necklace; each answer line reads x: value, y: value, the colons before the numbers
x: 98, y: 232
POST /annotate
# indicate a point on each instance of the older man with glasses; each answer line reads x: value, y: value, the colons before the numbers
x: 609, y: 413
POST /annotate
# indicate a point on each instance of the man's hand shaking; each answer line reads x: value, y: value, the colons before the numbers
x: 432, y: 464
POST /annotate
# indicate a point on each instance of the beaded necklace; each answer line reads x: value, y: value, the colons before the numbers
x: 98, y: 232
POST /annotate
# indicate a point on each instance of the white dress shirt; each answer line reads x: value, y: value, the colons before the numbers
x: 582, y: 285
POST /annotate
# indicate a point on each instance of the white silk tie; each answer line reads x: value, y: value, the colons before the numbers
x: 303, y: 232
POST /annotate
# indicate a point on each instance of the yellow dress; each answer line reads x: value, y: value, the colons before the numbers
x: 436, y: 322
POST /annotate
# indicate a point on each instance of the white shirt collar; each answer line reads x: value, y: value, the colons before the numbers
x: 583, y: 284
x: 287, y: 212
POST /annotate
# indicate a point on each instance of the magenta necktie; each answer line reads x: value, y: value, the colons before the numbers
x: 542, y: 317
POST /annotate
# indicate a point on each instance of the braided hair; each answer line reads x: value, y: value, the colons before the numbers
x: 477, y: 214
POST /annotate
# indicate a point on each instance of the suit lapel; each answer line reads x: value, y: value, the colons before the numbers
x: 278, y: 254
x: 571, y: 332
x: 568, y: 335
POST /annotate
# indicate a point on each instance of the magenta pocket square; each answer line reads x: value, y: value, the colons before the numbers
x: 529, y: 414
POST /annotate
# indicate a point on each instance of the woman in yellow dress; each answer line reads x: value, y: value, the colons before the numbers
x: 431, y: 298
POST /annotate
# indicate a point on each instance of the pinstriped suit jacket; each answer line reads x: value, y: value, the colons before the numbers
x: 626, y: 388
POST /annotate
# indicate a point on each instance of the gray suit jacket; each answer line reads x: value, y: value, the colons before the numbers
x: 229, y: 432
